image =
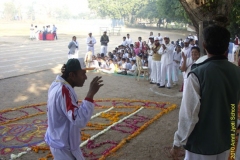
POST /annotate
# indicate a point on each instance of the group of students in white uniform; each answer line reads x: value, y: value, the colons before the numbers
x: 163, y: 59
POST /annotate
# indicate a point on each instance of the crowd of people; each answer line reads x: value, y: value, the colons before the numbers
x: 35, y: 31
x: 163, y: 58
x: 208, y: 113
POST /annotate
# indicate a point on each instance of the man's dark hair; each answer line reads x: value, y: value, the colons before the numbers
x: 65, y: 74
x: 123, y: 59
x: 102, y: 55
x: 216, y: 39
x: 197, y: 48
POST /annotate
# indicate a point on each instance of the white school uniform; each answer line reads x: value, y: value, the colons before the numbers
x: 90, y: 46
x: 166, y: 64
x: 175, y: 68
x: 129, y: 41
x: 133, y: 70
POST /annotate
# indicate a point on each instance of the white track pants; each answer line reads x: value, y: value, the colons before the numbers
x: 166, y: 71
x: 150, y: 66
x: 103, y: 50
x: 62, y: 154
x: 194, y: 156
x: 90, y: 49
x: 156, y: 71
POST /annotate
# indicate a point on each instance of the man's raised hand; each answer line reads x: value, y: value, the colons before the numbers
x: 94, y: 86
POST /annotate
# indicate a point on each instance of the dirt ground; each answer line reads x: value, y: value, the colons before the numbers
x: 149, y: 145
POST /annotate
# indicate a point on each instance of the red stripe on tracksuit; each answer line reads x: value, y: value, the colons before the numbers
x: 69, y: 105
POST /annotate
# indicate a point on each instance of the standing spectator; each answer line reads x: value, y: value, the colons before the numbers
x: 160, y: 38
x: 73, y: 48
x: 91, y: 41
x: 140, y: 43
x: 129, y: 40
x: 176, y: 63
x: 32, y: 34
x: 36, y: 33
x: 65, y: 116
x: 166, y: 62
x: 44, y: 33
x: 104, y: 42
x: 209, y: 109
x: 156, y: 63
x: 188, y: 62
x: 236, y: 40
x: 124, y: 42
x: 231, y: 52
x: 54, y: 31
x: 187, y: 52
x: 150, y: 53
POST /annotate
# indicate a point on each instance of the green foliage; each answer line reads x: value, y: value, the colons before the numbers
x: 172, y: 10
x: 10, y: 10
x: 116, y: 9
x: 149, y: 11
x: 234, y: 26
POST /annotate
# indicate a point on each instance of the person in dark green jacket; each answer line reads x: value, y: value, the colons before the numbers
x: 208, y: 113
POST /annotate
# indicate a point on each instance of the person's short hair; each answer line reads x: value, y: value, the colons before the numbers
x: 216, y: 39
x: 128, y: 34
x: 123, y: 59
x: 178, y: 46
x: 197, y: 48
x: 134, y: 61
x: 102, y: 54
x: 131, y: 45
x: 124, y: 37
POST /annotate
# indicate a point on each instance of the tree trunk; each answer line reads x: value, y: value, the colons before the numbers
x: 215, y: 10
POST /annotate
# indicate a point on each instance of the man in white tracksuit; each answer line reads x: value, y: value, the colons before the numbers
x: 65, y: 116
x: 166, y: 62
x: 91, y: 41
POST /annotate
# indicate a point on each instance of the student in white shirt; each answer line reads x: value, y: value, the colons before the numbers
x: 176, y: 62
x: 110, y: 69
x: 37, y: 33
x: 32, y: 34
x: 124, y: 42
x: 129, y: 65
x: 91, y: 41
x: 123, y: 66
x: 129, y: 40
x: 133, y: 70
x: 160, y: 38
x: 188, y: 62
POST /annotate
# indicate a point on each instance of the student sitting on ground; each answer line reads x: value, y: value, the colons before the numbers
x: 133, y: 70
x: 109, y: 69
x: 123, y: 67
x: 129, y: 64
